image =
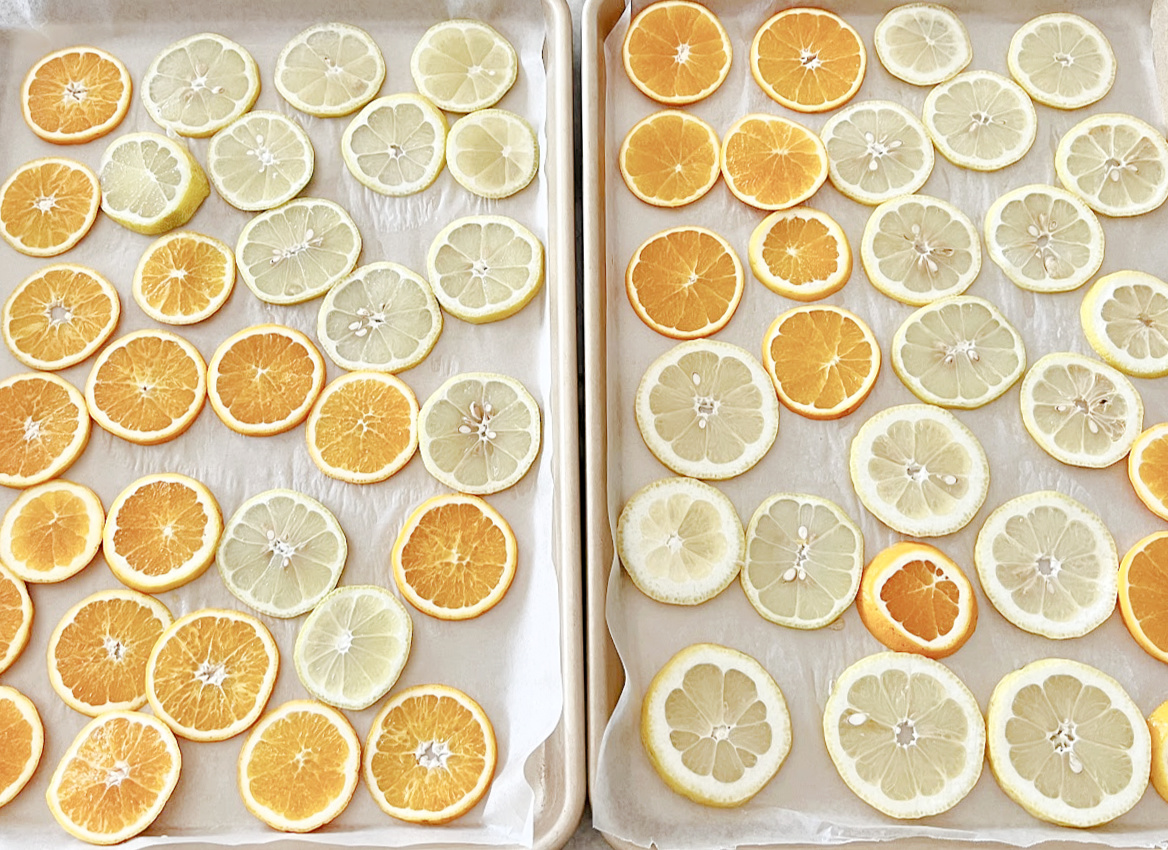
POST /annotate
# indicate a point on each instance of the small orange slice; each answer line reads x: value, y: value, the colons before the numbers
x: 801, y: 254
x: 59, y: 316
x: 48, y: 205
x: 44, y: 427
x: 51, y: 532
x: 670, y: 158
x: 23, y: 735
x: 1147, y: 468
x: 1143, y: 594
x: 15, y: 618
x: 676, y: 52
x: 75, y: 95
x: 772, y: 163
x: 808, y: 60
x: 184, y: 278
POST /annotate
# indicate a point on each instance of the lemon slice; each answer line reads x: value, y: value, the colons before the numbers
x: 1125, y: 318
x: 396, y: 145
x: 1158, y: 726
x: 917, y: 249
x: 297, y: 252
x: 919, y: 470
x: 1067, y: 743
x: 1117, y: 163
x: 260, y: 161
x: 1080, y: 411
x: 905, y: 734
x: 680, y: 541
x: 329, y: 70
x: 1044, y: 239
x: 715, y: 725
x: 958, y: 352
x: 150, y: 184
x: 804, y: 558
x: 877, y: 150
x: 923, y: 44
x: 492, y: 153
x: 707, y: 409
x: 1062, y: 60
x: 200, y: 84
x: 981, y: 120
x: 463, y: 65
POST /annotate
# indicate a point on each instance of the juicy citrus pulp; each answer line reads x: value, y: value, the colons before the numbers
x: 396, y: 145
x: 1143, y: 600
x: 24, y: 742
x: 15, y: 617
x: 260, y: 160
x: 676, y: 51
x: 492, y: 153
x: 1147, y: 469
x: 1062, y: 60
x: 772, y: 163
x: 1116, y: 163
x: 922, y: 43
x: 808, y: 60
x: 670, y: 158
x: 1158, y: 726
x: 800, y: 253
x: 150, y: 183
x: 48, y: 205
x: 44, y: 427
x: 184, y: 278
x: 329, y: 70
x: 75, y: 95
x: 51, y: 532
x: 980, y: 120
x: 876, y: 151
x: 463, y: 65
x: 1125, y: 318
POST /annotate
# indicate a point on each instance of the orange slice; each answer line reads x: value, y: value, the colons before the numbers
x: 115, y: 778
x: 455, y: 557
x: 147, y: 387
x: 44, y: 427
x: 670, y: 158
x: 263, y: 380
x: 48, y: 205
x: 75, y: 95
x: 685, y: 282
x: 210, y: 674
x: 430, y: 755
x: 15, y: 617
x: 823, y: 360
x: 772, y: 163
x: 23, y: 735
x: 299, y: 767
x: 184, y: 278
x: 51, y: 532
x: 800, y: 253
x: 1143, y: 594
x: 59, y: 316
x: 676, y: 51
x: 1147, y: 469
x: 97, y: 653
x: 364, y: 427
x: 914, y: 598
x: 808, y: 60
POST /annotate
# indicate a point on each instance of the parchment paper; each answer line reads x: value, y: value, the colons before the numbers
x: 807, y: 802
x: 509, y: 659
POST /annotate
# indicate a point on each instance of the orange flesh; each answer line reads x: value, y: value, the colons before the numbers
x: 146, y: 384
x: 801, y: 251
x: 809, y: 59
x: 298, y: 767
x: 1153, y: 469
x: 73, y: 194
x: 686, y: 280
x: 363, y: 426
x: 775, y: 162
x: 51, y: 530
x: 38, y: 421
x: 160, y: 527
x: 455, y: 556
x: 1148, y: 591
x: 264, y: 378
x: 16, y: 733
x: 74, y: 93
x: 657, y: 38
x: 821, y: 358
x: 101, y: 656
x: 59, y: 314
x: 670, y: 158
x: 183, y: 276
x: 11, y: 614
x: 922, y: 599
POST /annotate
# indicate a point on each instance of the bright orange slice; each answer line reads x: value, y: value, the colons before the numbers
x: 59, y: 316
x: 670, y: 158
x: 184, y: 278
x: 676, y: 51
x: 430, y: 755
x: 1147, y: 468
x: 23, y: 735
x: 44, y: 427
x: 1143, y: 594
x: 772, y: 163
x: 800, y: 253
x: 808, y: 60
x: 75, y: 95
x: 685, y: 282
x: 48, y: 205
x: 15, y: 618
x: 51, y: 532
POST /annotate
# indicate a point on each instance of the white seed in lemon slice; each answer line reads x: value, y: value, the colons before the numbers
x: 877, y: 150
x: 396, y: 145
x: 150, y: 184
x: 715, y: 725
x: 905, y: 734
x: 981, y: 120
x: 492, y: 153
x: 1080, y: 411
x: 200, y: 84
x: 259, y: 161
x: 804, y: 558
x: 1125, y: 318
x: 680, y: 541
x: 1117, y: 163
x: 1062, y: 60
x: 922, y: 43
x: 329, y: 70
x: 463, y: 65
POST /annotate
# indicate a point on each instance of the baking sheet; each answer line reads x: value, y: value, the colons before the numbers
x: 807, y: 803
x: 509, y: 659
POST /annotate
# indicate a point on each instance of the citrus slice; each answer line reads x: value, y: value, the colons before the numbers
x: 800, y: 253
x: 396, y: 145
x: 24, y: 742
x: 680, y: 541
x: 808, y: 60
x: 981, y: 120
x: 958, y: 352
x: 15, y: 617
x: 480, y: 432
x: 876, y: 151
x: 44, y: 427
x: 48, y: 205
x: 299, y: 766
x: 1116, y: 163
x: 772, y: 163
x: 281, y: 553
x: 707, y: 409
x: 1080, y: 411
x: 455, y: 557
x: 1067, y: 743
x: 823, y: 360
x: 1158, y: 726
x: 922, y: 43
x: 115, y: 778
x: 150, y: 184
x: 263, y: 380
x: 492, y: 153
x: 919, y: 470
x: 917, y: 249
x: 75, y: 95
x: 1125, y: 319
x: 329, y: 70
x: 383, y: 317
x: 804, y: 557
x: 463, y: 65
x: 676, y: 52
x: 353, y: 646
x: 363, y: 427
x: 297, y: 252
x: 670, y: 158
x: 484, y: 268
x: 51, y: 532
x: 98, y: 651
x: 147, y: 387
x: 200, y: 84
x: 715, y: 725
x: 1062, y: 60
x: 1044, y: 239
x: 1147, y: 469
x: 184, y: 278
x: 1143, y: 602
x: 260, y: 160
x: 59, y: 316
x: 685, y: 282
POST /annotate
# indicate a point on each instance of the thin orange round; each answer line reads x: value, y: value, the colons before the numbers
x: 44, y: 427
x: 772, y: 163
x: 1143, y: 594
x: 48, y: 205
x: 808, y: 60
x: 59, y: 316
x: 1147, y: 469
x: 23, y: 735
x: 75, y: 95
x: 670, y: 158
x: 184, y: 278
x: 800, y: 253
x: 676, y: 52
x: 51, y: 532
x: 15, y: 618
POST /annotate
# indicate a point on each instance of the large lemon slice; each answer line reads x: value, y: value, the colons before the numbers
x: 1118, y: 164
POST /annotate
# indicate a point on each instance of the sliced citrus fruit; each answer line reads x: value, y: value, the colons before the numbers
x: 808, y: 60
x: 260, y: 160
x: 24, y: 742
x: 1116, y: 163
x: 1158, y: 726
x: 1062, y: 60
x: 922, y: 43
x: 51, y: 532
x: 1147, y: 469
x: 59, y: 316
x: 772, y: 163
x: 200, y: 84
x: 15, y: 617
x: 48, y: 205
x: 492, y: 153
x: 670, y: 158
x: 715, y: 725
x: 396, y: 145
x: 44, y: 426
x: 184, y: 278
x: 150, y: 184
x: 1125, y: 318
x: 680, y: 541
x: 876, y: 151
x: 329, y: 70
x: 463, y: 65
x: 75, y: 95
x: 676, y: 52
x: 800, y: 253
x: 981, y: 120
x: 1143, y: 593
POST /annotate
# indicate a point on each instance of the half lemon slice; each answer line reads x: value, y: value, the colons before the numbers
x: 150, y: 184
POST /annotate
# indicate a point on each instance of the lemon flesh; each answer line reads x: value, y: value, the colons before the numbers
x: 463, y: 65
x: 877, y: 150
x: 1116, y: 163
x: 330, y: 70
x: 260, y: 161
x: 1125, y: 319
x: 922, y: 44
x: 981, y: 120
x: 200, y: 84
x: 150, y: 184
x: 396, y: 145
x: 492, y: 153
x: 1062, y: 60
